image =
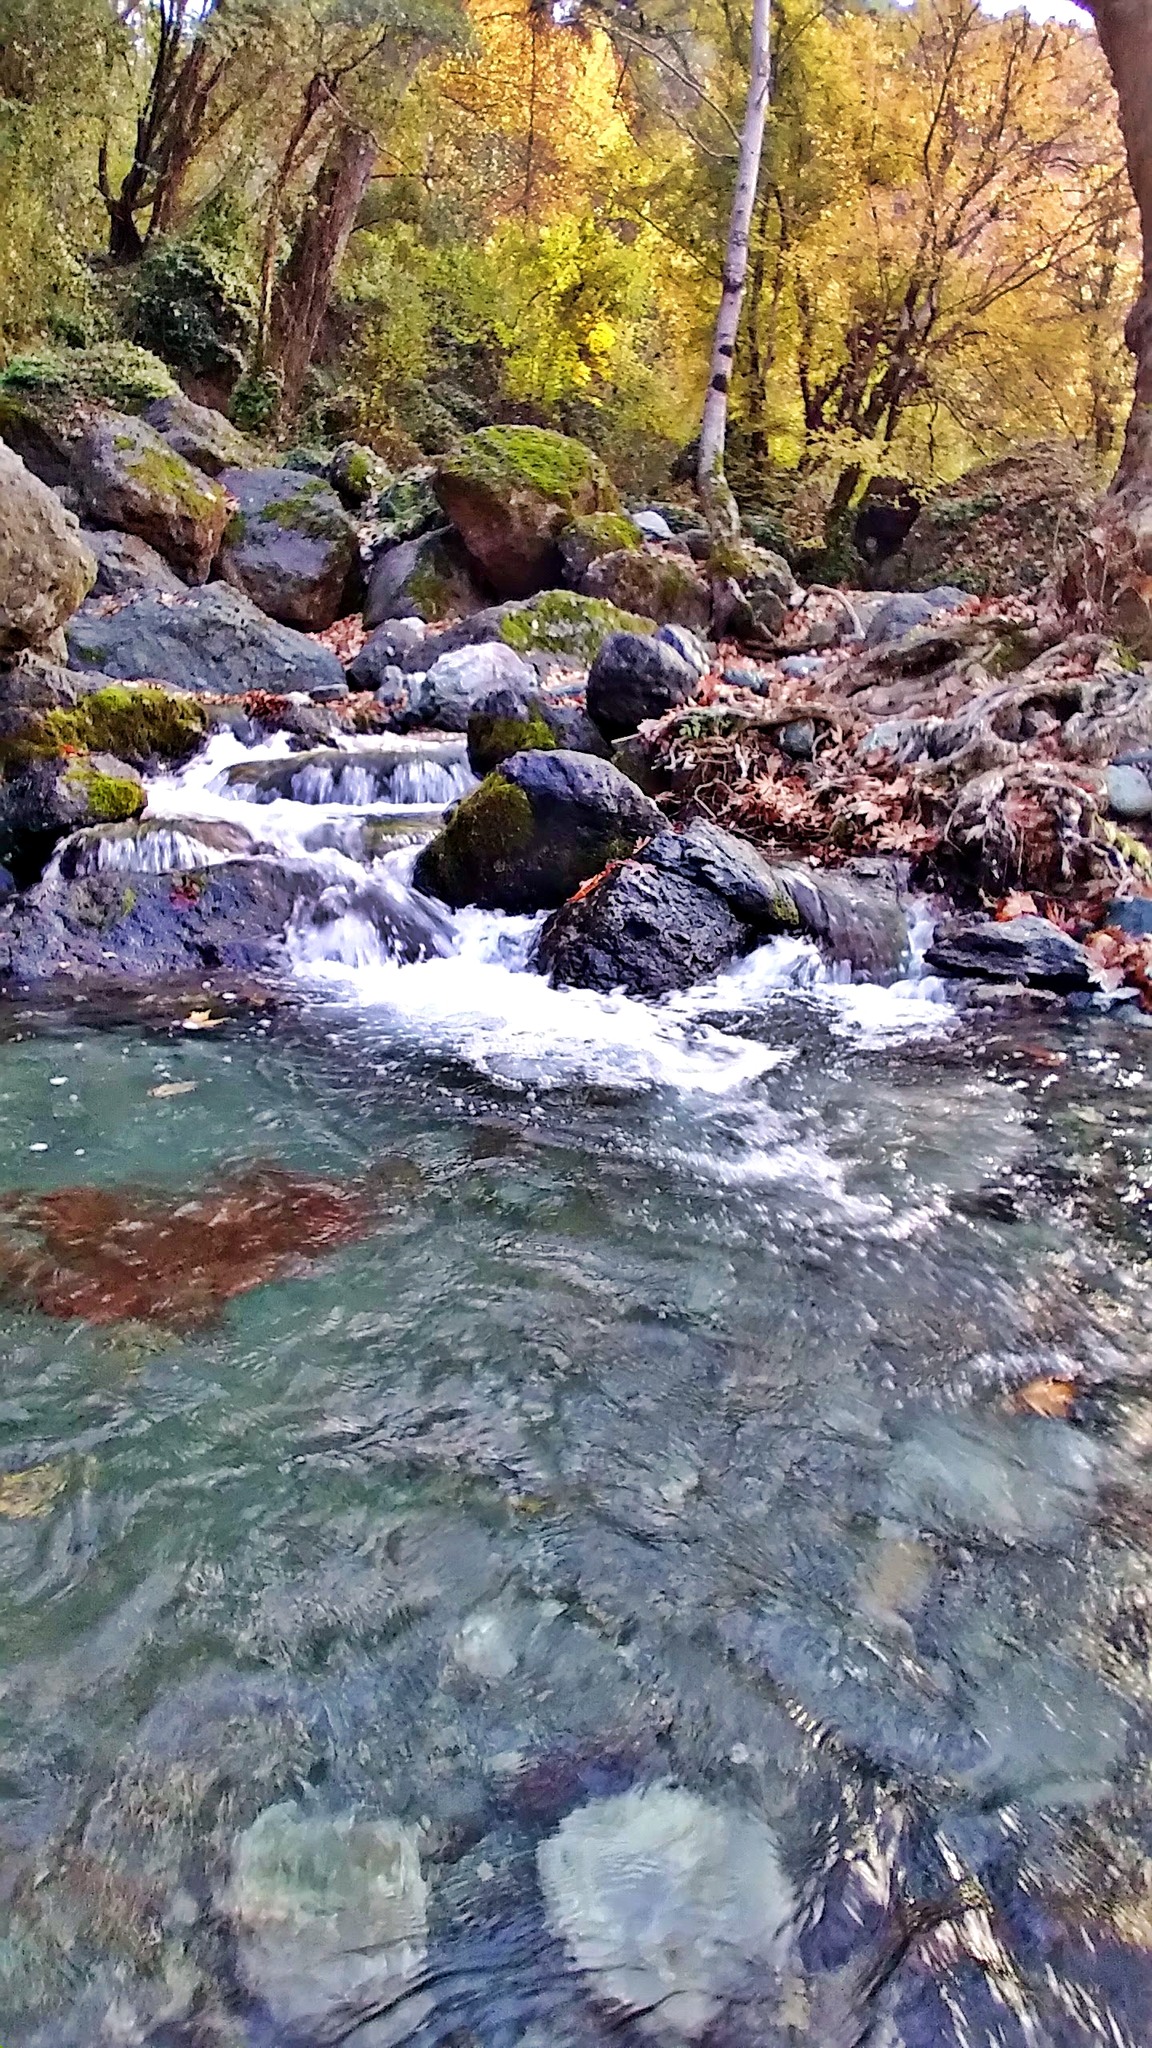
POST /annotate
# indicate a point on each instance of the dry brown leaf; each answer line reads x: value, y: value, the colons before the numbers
x: 1047, y: 1396
x: 32, y: 1492
x: 203, y: 1020
x: 167, y: 1088
x: 1017, y: 903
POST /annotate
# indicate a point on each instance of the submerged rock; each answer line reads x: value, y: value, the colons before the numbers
x: 289, y: 545
x: 330, y: 1913
x: 668, y: 1905
x: 214, y: 641
x: 45, y: 567
x: 535, y: 829
x: 636, y: 676
x: 129, y: 477
x: 411, y: 773
x: 509, y: 492
x: 1027, y: 949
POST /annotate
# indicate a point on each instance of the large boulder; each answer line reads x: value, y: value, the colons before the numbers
x: 1028, y: 949
x: 290, y: 546
x: 509, y: 492
x: 199, y: 433
x: 135, y: 722
x: 584, y: 540
x: 536, y: 829
x: 45, y: 568
x: 44, y: 801
x: 215, y: 642
x: 661, y: 587
x: 635, y: 677
x: 129, y: 477
x: 1000, y: 527
x: 559, y: 624
x: 427, y: 578
x: 455, y: 682
x: 127, y: 567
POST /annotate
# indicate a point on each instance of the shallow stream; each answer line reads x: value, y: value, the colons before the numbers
x: 534, y: 1520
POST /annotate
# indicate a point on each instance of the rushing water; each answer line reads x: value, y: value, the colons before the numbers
x: 605, y: 1581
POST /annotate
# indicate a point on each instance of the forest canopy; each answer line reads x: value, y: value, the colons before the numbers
x: 400, y: 219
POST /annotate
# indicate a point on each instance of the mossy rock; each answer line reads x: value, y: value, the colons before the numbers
x: 356, y: 474
x: 45, y: 800
x: 402, y: 511
x: 1002, y: 527
x: 289, y: 545
x: 138, y: 724
x: 510, y: 491
x: 110, y: 798
x: 130, y: 478
x: 503, y: 723
x: 118, y: 373
x: 584, y: 540
x: 563, y: 623
x: 662, y: 587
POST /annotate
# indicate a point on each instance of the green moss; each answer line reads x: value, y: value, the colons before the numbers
x: 495, y: 821
x: 127, y: 377
x: 493, y: 739
x: 163, y: 471
x: 505, y: 459
x: 255, y: 401
x: 560, y: 622
x: 110, y: 798
x: 309, y: 510
x: 135, y: 724
x: 948, y: 515
x: 594, y: 534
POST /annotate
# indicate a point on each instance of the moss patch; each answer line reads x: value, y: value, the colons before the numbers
x: 495, y: 822
x: 137, y: 725
x: 167, y: 474
x: 555, y: 467
x: 494, y: 739
x: 126, y: 377
x: 110, y: 798
x: 560, y: 622
x: 585, y: 539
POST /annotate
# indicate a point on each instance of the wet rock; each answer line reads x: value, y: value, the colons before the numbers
x: 45, y: 567
x: 387, y: 648
x: 455, y: 682
x: 127, y: 567
x: 428, y: 578
x: 534, y: 830
x: 156, y: 846
x: 135, y: 930
x: 731, y: 868
x: 655, y: 585
x: 215, y: 641
x: 330, y: 1913
x: 668, y: 1905
x: 583, y: 541
x: 200, y: 434
x: 289, y: 546
x: 1027, y: 949
x: 899, y: 614
x: 1129, y: 792
x: 641, y: 929
x: 399, y: 773
x: 635, y: 677
x: 509, y: 491
x: 129, y: 477
x: 41, y: 803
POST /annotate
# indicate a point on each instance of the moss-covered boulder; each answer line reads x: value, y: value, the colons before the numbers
x: 357, y: 474
x: 563, y: 623
x: 503, y: 723
x: 49, y: 399
x: 584, y: 540
x: 1001, y: 527
x: 636, y: 677
x: 199, y: 433
x: 129, y: 477
x: 536, y: 828
x: 45, y: 569
x: 510, y: 491
x: 135, y: 722
x: 658, y: 586
x: 42, y: 802
x: 289, y: 545
x: 429, y: 578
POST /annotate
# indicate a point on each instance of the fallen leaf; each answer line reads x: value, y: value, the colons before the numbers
x: 1045, y: 1396
x: 32, y: 1492
x: 167, y: 1088
x: 1017, y: 903
x: 203, y: 1020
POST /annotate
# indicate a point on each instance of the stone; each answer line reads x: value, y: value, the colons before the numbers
x: 657, y: 586
x: 404, y: 508
x: 512, y: 721
x: 671, y: 1907
x: 1027, y: 949
x: 558, y: 623
x: 45, y: 568
x: 357, y: 474
x: 329, y: 693
x: 509, y: 491
x: 428, y: 578
x: 1001, y: 526
x: 635, y: 677
x: 387, y: 648
x: 136, y: 722
x: 289, y: 546
x: 44, y: 801
x: 797, y: 739
x: 537, y: 828
x: 900, y: 613
x: 127, y: 567
x: 642, y: 929
x: 455, y: 682
x: 396, y: 772
x: 215, y: 641
x: 689, y: 646
x: 582, y: 541
x: 129, y: 477
x: 652, y: 524
x: 1129, y: 791
x: 200, y: 434
x: 330, y: 1915
x: 1130, y: 914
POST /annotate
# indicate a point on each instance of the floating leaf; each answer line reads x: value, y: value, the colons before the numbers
x: 168, y: 1088
x: 24, y: 1495
x: 203, y: 1020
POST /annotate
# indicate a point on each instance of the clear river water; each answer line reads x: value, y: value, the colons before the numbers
x: 530, y: 1520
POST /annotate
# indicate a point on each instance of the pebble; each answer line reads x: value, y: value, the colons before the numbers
x: 1129, y: 792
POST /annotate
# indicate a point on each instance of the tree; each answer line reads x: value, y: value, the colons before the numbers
x: 1125, y: 31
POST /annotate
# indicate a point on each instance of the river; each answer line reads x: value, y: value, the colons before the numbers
x: 530, y: 1519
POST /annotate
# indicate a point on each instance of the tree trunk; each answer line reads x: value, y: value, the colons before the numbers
x: 1110, y: 576
x: 715, y: 496
x: 304, y: 287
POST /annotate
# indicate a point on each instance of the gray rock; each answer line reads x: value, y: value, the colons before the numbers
x: 687, y: 645
x: 539, y: 826
x: 412, y: 773
x: 509, y: 721
x: 455, y: 682
x: 1129, y: 791
x: 643, y: 929
x: 1026, y: 949
x: 636, y: 676
x: 895, y: 617
x: 356, y: 474
x: 388, y: 646
x: 129, y: 477
x: 127, y: 567
x: 214, y: 642
x: 45, y: 567
x: 653, y: 525
x: 429, y: 578
x: 200, y: 434
x: 797, y: 739
x: 1131, y: 914
x: 42, y: 803
x: 329, y: 693
x: 290, y: 546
